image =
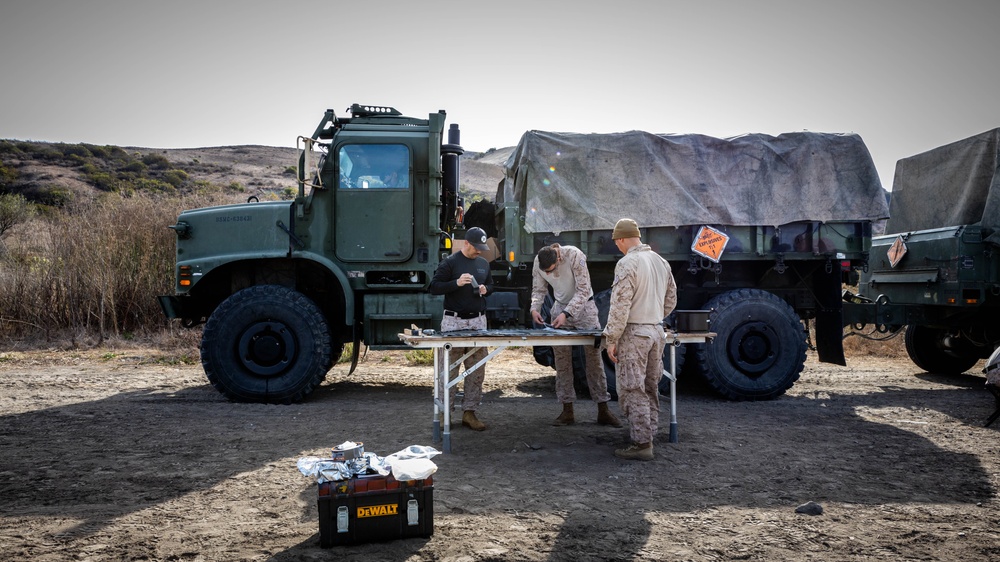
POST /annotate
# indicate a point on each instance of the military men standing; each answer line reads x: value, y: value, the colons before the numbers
x: 643, y: 294
x: 564, y: 269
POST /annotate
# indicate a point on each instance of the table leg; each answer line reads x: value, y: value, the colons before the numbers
x: 437, y: 397
x: 673, y: 393
x: 446, y: 444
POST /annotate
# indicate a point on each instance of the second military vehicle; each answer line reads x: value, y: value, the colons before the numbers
x: 936, y: 273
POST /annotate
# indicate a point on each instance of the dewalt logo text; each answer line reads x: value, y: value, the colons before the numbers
x: 378, y: 510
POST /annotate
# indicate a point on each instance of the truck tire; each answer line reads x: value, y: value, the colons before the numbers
x: 266, y: 343
x: 603, y: 302
x: 760, y: 347
x: 925, y: 347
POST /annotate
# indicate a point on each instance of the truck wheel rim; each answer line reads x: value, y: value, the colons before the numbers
x: 754, y: 347
x: 267, y: 348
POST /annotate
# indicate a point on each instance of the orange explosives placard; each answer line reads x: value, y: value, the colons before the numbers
x: 896, y: 251
x: 710, y: 243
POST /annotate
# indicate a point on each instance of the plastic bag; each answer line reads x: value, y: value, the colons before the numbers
x: 412, y: 463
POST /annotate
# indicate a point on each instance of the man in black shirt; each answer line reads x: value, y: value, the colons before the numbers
x: 464, y: 279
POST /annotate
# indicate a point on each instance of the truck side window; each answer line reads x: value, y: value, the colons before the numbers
x: 368, y: 166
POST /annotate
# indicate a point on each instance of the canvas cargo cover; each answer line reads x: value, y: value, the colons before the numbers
x: 572, y: 181
x: 952, y: 185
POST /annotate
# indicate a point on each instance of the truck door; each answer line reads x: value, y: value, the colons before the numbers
x: 374, y: 208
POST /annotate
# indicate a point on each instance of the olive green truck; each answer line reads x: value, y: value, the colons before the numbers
x: 756, y: 229
x: 935, y: 274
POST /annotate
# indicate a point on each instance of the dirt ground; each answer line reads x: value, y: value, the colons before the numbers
x: 129, y: 454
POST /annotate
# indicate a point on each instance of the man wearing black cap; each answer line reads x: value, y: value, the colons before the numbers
x: 464, y: 279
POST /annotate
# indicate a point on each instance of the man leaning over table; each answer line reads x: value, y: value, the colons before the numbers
x: 564, y: 269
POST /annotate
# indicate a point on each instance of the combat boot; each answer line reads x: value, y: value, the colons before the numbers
x: 470, y: 421
x: 606, y: 417
x: 636, y: 451
x: 566, y: 417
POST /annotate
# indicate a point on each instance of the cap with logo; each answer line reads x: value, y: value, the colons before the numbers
x: 477, y: 237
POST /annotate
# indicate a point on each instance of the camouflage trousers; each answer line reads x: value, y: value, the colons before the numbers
x: 472, y: 387
x: 638, y: 373
x: 586, y: 319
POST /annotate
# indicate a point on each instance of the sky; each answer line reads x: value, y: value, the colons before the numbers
x: 906, y: 75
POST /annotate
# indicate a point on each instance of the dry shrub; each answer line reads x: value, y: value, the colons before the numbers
x: 94, y: 269
x: 856, y: 344
x: 419, y: 357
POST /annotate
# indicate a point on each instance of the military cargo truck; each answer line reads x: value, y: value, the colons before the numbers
x: 755, y: 229
x: 936, y: 273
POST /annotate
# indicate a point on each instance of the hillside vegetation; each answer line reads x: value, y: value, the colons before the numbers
x: 84, y: 243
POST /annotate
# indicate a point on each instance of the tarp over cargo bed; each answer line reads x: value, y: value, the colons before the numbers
x: 952, y: 185
x: 572, y: 181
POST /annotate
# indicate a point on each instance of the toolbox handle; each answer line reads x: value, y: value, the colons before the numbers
x: 412, y: 513
x: 343, y: 515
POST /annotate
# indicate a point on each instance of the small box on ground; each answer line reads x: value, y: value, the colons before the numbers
x: 373, y: 508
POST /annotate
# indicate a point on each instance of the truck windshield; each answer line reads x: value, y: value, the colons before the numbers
x: 369, y: 166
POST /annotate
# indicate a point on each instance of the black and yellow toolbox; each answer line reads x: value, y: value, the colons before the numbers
x: 370, y: 508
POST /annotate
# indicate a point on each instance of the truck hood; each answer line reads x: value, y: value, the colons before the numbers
x: 244, y: 230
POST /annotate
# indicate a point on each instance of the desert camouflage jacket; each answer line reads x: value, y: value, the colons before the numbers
x: 642, y: 277
x: 573, y: 262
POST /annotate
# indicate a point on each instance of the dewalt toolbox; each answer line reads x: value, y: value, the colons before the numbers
x: 371, y: 508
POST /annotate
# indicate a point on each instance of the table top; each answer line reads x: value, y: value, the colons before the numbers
x: 508, y: 336
x: 526, y: 336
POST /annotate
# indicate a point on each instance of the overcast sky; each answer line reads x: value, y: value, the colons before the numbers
x: 907, y: 75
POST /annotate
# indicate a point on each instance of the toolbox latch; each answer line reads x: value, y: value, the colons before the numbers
x: 342, y: 517
x: 412, y: 513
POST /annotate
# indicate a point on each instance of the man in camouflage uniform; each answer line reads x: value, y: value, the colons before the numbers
x: 643, y: 294
x: 564, y: 269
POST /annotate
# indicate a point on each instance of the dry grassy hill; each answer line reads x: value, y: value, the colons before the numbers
x: 254, y: 166
x: 57, y: 173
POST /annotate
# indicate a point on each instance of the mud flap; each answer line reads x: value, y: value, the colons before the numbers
x: 829, y: 318
x: 830, y: 337
x: 356, y: 351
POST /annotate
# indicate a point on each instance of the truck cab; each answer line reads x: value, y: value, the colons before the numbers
x: 282, y: 286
